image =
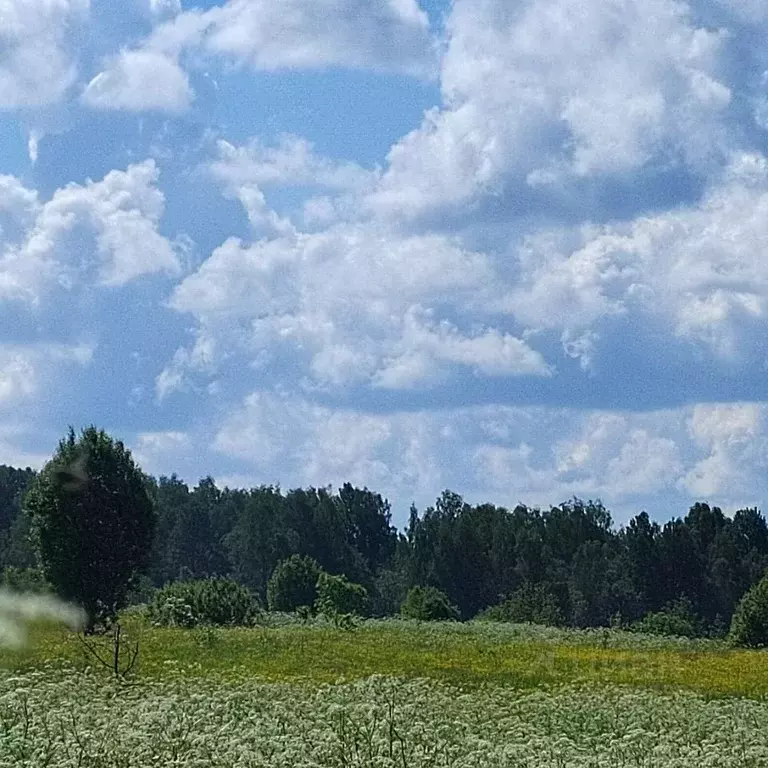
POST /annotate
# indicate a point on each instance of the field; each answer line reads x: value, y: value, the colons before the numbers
x: 386, y: 694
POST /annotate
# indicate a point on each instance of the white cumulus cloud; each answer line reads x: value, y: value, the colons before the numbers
x: 138, y: 81
x: 543, y: 91
x: 38, y: 62
x: 391, y: 36
x: 108, y: 228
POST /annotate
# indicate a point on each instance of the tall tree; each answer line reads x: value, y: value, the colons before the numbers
x: 14, y: 548
x: 92, y: 522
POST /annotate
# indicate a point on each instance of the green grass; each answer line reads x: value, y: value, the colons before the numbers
x: 471, y: 655
x: 390, y: 694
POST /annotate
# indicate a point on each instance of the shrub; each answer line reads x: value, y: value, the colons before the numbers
x: 428, y: 604
x: 25, y: 580
x: 336, y: 595
x: 530, y: 604
x: 749, y: 625
x: 293, y: 583
x: 215, y: 601
x: 142, y: 591
x: 677, y: 618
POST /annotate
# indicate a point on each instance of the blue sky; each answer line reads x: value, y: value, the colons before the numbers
x: 514, y: 249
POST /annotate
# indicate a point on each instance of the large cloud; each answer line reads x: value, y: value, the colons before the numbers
x: 700, y: 272
x: 390, y: 36
x: 541, y: 92
x: 37, y: 62
x: 107, y: 230
x: 357, y: 299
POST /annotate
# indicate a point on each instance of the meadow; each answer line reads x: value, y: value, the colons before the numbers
x: 389, y: 693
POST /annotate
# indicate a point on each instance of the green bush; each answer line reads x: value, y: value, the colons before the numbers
x: 141, y: 592
x: 25, y: 580
x: 215, y: 601
x: 530, y: 604
x: 677, y: 618
x: 293, y: 583
x: 336, y: 595
x: 749, y: 625
x: 428, y: 604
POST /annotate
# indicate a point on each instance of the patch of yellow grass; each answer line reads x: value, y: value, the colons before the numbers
x: 472, y: 657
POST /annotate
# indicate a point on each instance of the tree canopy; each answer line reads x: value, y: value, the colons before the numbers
x: 568, y: 561
x: 92, y: 522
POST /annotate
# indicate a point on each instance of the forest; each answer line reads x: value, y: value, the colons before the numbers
x: 567, y: 565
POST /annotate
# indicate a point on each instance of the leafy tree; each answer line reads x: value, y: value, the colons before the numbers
x: 14, y: 546
x: 640, y: 540
x: 390, y: 589
x: 92, y: 522
x: 293, y: 584
x: 338, y: 595
x: 260, y: 536
x: 749, y: 626
x: 170, y: 496
x: 428, y: 604
x: 369, y: 525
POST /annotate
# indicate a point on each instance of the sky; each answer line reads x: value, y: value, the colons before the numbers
x: 514, y: 249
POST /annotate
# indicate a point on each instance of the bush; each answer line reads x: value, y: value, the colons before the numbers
x: 142, y: 591
x: 215, y: 601
x: 749, y: 625
x: 530, y: 604
x: 677, y: 618
x: 336, y: 595
x: 428, y: 604
x: 25, y: 580
x: 293, y: 583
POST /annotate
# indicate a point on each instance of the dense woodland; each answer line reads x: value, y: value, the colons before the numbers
x: 571, y: 556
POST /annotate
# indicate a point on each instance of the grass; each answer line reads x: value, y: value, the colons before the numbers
x: 473, y: 655
x: 390, y: 694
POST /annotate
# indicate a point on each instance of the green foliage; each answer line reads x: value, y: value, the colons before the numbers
x: 25, y: 580
x: 14, y: 544
x: 214, y: 601
x: 676, y: 619
x: 390, y: 589
x: 428, y: 604
x: 749, y: 626
x: 92, y: 522
x: 142, y: 591
x: 575, y: 567
x: 531, y: 603
x: 336, y: 595
x: 293, y: 583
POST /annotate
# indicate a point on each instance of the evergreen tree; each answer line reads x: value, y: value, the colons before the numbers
x: 92, y: 522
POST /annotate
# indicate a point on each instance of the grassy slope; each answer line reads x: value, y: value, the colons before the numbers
x: 467, y: 654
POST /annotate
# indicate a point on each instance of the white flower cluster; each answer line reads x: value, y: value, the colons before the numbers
x: 68, y: 718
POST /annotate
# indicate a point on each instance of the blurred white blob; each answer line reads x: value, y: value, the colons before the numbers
x: 17, y: 609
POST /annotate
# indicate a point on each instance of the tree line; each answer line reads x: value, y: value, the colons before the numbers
x: 567, y: 564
